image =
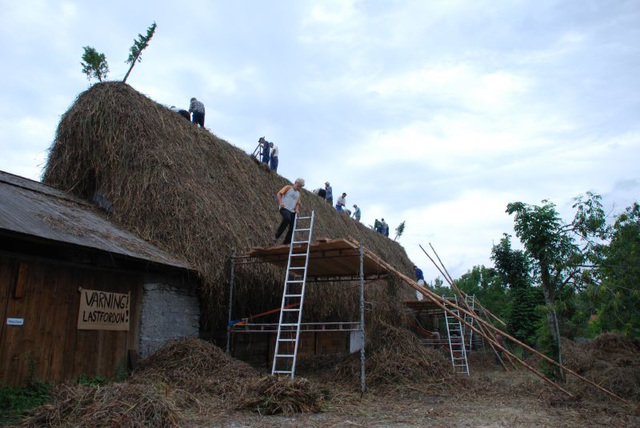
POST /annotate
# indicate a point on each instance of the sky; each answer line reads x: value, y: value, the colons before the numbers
x: 436, y: 113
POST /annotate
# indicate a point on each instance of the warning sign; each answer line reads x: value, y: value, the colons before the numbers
x: 101, y: 310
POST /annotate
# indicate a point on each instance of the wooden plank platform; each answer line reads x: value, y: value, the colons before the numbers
x: 328, y: 258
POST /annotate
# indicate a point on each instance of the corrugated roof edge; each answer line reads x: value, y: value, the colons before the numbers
x: 122, y: 242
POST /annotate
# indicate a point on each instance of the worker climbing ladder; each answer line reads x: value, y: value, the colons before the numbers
x: 286, y: 349
x: 455, y: 335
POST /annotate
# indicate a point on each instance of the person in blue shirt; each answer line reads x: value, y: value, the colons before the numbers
x: 265, y: 150
x: 328, y: 193
x: 419, y: 275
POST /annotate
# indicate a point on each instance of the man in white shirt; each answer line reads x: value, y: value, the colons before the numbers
x: 289, y: 203
x: 274, y: 157
x: 341, y: 202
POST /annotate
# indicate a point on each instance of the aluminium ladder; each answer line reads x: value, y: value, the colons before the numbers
x: 457, y: 346
x: 288, y: 338
x: 466, y: 328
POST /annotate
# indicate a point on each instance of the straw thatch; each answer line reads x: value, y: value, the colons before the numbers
x: 196, y: 196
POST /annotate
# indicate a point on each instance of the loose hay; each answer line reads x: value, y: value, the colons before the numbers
x: 274, y: 395
x: 395, y: 358
x: 121, y: 405
x: 197, y: 367
x: 609, y: 360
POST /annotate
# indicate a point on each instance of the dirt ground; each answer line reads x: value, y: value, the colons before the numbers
x: 489, y: 397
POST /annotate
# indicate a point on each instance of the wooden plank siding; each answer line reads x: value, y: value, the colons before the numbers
x: 48, y: 346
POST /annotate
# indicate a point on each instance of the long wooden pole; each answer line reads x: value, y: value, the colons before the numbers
x: 451, y: 281
x: 529, y: 348
x: 435, y: 298
x: 446, y: 276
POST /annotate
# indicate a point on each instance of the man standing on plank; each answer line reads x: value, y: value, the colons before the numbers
x: 289, y: 203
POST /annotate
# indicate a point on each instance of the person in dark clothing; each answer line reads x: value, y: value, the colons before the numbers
x: 197, y: 108
x: 328, y: 191
x: 419, y: 274
x: 265, y: 150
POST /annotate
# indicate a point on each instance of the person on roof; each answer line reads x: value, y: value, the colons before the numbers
x: 419, y: 275
x: 341, y: 202
x: 289, y: 205
x: 384, y: 228
x: 356, y: 212
x: 197, y: 109
x: 420, y: 281
x: 181, y: 112
x: 265, y: 150
x: 377, y: 225
x: 328, y: 193
x: 274, y: 157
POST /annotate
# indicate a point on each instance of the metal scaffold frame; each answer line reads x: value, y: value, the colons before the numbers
x: 323, y: 256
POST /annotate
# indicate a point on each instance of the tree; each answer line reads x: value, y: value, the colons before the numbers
x: 485, y: 284
x: 94, y: 64
x: 514, y: 268
x: 618, y: 293
x: 553, y: 247
x: 136, y: 50
x: 399, y: 231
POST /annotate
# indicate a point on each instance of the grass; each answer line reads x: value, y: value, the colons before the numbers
x: 15, y: 401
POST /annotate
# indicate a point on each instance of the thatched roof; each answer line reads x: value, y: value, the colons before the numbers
x: 196, y: 196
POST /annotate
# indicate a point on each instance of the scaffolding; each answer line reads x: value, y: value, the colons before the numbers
x: 336, y: 260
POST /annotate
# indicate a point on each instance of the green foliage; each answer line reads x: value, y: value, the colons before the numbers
x: 92, y: 381
x: 139, y: 45
x: 440, y: 289
x: 485, y: 284
x: 558, y: 260
x: 399, y: 231
x: 618, y: 294
x: 15, y: 401
x: 548, y: 346
x: 511, y: 265
x: 94, y: 64
x: 523, y: 320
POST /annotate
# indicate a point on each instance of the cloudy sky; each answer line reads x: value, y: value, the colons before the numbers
x: 437, y: 113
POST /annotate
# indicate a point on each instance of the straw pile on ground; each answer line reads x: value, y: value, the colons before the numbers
x: 195, y: 196
x: 273, y: 395
x: 122, y: 405
x: 395, y: 359
x: 610, y: 360
x: 199, y: 368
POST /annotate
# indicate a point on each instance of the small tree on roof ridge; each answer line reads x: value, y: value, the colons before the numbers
x: 399, y: 231
x: 136, y: 50
x: 94, y: 64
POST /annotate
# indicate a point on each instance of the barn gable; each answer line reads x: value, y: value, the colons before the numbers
x: 78, y: 295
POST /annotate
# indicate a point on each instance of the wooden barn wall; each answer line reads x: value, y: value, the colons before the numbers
x: 48, y: 346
